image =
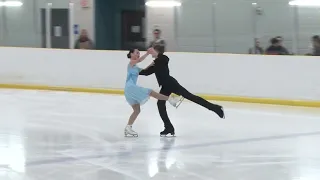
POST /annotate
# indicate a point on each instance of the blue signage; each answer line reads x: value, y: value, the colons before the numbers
x: 76, y: 29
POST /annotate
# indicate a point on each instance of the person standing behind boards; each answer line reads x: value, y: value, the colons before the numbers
x: 84, y: 42
x: 158, y: 41
x: 257, y: 49
x: 276, y: 48
x: 316, y: 45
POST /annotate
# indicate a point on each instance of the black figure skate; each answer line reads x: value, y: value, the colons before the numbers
x: 219, y: 111
x: 167, y: 131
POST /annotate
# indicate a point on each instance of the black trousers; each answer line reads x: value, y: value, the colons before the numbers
x: 174, y: 87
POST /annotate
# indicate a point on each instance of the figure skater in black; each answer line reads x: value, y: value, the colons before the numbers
x: 170, y: 85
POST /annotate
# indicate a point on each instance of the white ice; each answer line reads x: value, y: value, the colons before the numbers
x: 78, y: 136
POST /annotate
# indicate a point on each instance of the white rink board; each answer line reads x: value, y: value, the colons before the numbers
x: 282, y: 77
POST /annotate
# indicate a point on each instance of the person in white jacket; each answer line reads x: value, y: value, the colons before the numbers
x: 158, y: 41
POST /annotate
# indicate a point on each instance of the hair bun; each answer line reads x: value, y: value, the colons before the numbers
x: 129, y: 53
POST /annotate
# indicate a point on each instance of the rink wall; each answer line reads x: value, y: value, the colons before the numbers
x: 285, y: 80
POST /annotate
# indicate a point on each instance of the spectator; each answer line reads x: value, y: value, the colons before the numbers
x: 158, y: 41
x: 285, y: 51
x: 84, y: 42
x: 311, y: 46
x: 257, y: 49
x: 316, y: 46
x: 276, y: 48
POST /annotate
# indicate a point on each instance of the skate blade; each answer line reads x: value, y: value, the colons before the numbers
x: 168, y: 135
x: 130, y: 135
x: 179, y: 102
x: 224, y: 115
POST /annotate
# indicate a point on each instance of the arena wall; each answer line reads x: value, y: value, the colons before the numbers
x: 285, y: 80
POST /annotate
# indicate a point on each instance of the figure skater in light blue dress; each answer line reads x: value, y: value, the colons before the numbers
x: 136, y: 95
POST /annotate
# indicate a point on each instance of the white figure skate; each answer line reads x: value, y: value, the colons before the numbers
x: 175, y: 101
x: 180, y: 101
x: 129, y: 132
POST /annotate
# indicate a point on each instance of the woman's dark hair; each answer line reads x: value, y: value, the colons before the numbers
x: 129, y: 53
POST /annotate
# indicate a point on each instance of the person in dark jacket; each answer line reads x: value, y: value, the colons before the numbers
x: 276, y: 48
x: 284, y: 50
x: 170, y: 85
x: 316, y: 45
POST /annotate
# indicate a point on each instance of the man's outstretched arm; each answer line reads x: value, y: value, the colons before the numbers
x: 148, y: 70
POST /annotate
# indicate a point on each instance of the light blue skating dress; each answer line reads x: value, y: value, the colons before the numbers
x: 135, y: 94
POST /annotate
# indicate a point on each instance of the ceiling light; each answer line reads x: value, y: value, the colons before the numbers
x: 11, y: 3
x: 305, y: 3
x: 163, y: 3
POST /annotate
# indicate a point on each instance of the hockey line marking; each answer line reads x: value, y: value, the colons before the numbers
x: 181, y: 147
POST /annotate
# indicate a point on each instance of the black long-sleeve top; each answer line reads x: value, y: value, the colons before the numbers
x: 161, y: 70
x: 277, y: 50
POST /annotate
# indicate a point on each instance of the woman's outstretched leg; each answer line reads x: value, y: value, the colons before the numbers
x: 159, y: 96
x: 172, y: 100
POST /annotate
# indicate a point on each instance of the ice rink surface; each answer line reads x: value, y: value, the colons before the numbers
x: 78, y: 136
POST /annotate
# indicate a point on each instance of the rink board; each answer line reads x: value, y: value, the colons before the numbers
x: 282, y: 80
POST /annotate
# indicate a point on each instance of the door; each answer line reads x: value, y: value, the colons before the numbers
x: 59, y: 28
x: 132, y: 28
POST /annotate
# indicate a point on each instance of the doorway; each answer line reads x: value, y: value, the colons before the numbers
x: 133, y: 30
x: 59, y: 28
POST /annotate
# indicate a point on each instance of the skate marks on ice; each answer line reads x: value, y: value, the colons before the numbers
x: 178, y: 147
